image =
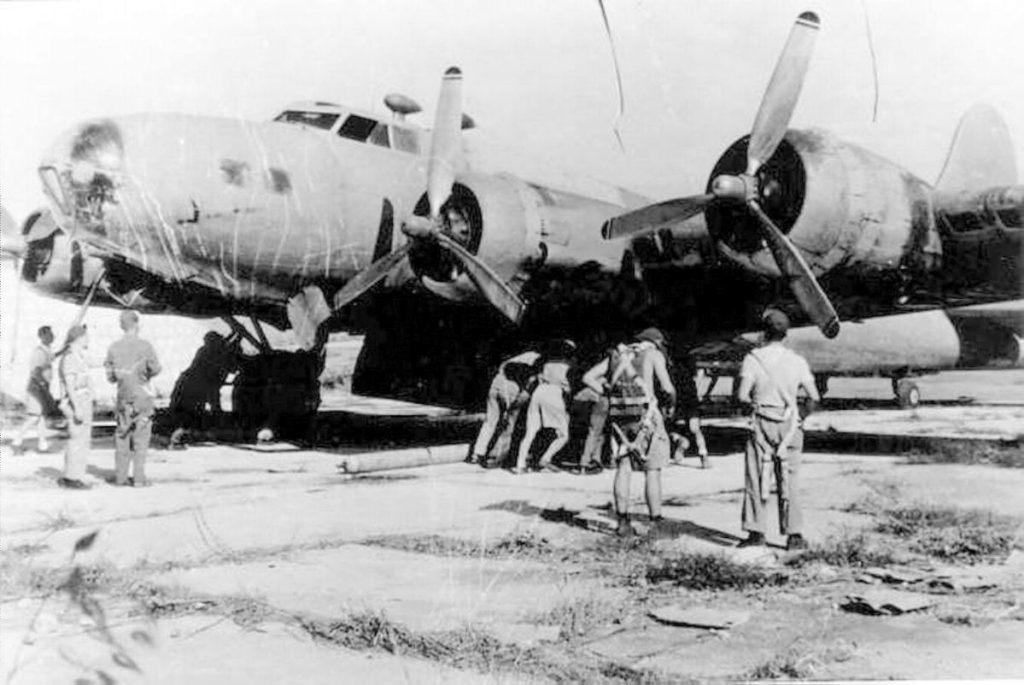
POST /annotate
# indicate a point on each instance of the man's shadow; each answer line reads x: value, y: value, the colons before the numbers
x: 672, y: 528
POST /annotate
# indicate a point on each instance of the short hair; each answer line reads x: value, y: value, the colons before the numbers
x: 44, y: 330
x: 775, y: 324
x: 129, y: 319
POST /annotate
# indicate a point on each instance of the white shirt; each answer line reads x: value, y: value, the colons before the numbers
x: 788, y: 370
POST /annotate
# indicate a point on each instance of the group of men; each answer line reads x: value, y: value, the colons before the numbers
x: 631, y: 400
x: 629, y: 394
x: 131, y: 363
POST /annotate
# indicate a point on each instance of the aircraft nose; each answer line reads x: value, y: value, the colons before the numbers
x: 96, y: 148
x: 80, y: 170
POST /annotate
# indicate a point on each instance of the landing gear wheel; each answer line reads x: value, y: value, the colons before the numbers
x: 908, y: 394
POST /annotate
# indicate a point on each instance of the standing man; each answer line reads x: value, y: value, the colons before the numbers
x: 770, y: 378
x: 689, y: 409
x: 509, y: 393
x: 131, y: 363
x: 76, y: 399
x: 39, y: 402
x: 632, y: 376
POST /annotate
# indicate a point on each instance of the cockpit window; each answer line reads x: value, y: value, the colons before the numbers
x: 324, y: 120
x: 357, y: 128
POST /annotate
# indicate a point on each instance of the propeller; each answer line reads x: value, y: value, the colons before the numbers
x: 444, y: 162
x: 769, y: 128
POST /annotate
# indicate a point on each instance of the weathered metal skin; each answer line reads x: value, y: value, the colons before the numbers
x: 256, y: 209
x: 857, y: 212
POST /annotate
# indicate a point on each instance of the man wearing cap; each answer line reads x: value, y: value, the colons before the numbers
x: 131, y: 363
x: 636, y: 418
x: 76, y: 402
x: 770, y: 378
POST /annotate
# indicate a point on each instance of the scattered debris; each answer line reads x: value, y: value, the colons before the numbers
x: 888, y: 602
x: 701, y: 617
x: 943, y: 580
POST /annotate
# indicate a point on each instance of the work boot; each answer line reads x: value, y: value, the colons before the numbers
x: 795, y: 542
x: 624, y: 529
x: 71, y: 484
x: 704, y: 463
x: 591, y: 469
x: 753, y: 540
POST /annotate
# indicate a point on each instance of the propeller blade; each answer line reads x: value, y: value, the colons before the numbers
x: 804, y: 285
x: 783, y: 91
x: 490, y: 284
x: 445, y: 142
x: 654, y: 217
x: 370, y: 276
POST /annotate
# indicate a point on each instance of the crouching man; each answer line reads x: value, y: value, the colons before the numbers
x: 770, y: 378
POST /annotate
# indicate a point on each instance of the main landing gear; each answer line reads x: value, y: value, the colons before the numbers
x: 907, y: 392
x: 276, y: 390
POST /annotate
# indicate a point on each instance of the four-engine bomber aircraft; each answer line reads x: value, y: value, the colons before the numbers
x: 292, y: 222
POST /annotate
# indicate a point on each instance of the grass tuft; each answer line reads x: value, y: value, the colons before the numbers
x: 951, y: 533
x: 579, y: 616
x: 801, y: 661
x: 466, y: 648
x: 711, y: 572
x: 849, y: 550
x: 1007, y: 455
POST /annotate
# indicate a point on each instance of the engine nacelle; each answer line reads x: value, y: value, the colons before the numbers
x: 843, y: 206
x: 515, y: 226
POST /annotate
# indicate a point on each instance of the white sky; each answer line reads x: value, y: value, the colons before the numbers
x: 539, y: 77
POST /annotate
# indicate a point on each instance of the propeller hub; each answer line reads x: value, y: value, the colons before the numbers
x: 737, y: 188
x: 419, y: 227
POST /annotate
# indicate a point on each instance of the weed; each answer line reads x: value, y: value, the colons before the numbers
x: 580, y: 615
x: 1009, y: 455
x: 881, y: 495
x: 59, y: 522
x: 27, y: 549
x: 514, y: 545
x: 466, y: 648
x: 951, y: 533
x: 801, y: 661
x: 856, y: 550
x: 711, y: 572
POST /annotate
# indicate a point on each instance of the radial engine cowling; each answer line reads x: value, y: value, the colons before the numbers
x: 844, y: 207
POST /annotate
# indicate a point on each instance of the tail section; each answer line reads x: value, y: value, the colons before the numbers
x: 981, y: 155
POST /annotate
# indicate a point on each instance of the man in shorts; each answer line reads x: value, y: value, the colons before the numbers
x: 547, y: 418
x: 632, y: 376
x: 508, y: 395
x: 39, y: 402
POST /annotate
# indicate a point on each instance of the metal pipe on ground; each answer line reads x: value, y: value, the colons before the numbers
x: 402, y: 459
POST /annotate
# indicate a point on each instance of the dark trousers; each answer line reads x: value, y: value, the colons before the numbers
x: 131, y: 444
x: 765, y: 437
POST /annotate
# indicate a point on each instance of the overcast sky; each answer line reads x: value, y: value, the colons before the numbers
x: 539, y: 75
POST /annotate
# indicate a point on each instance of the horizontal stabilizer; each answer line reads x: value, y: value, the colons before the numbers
x: 981, y: 155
